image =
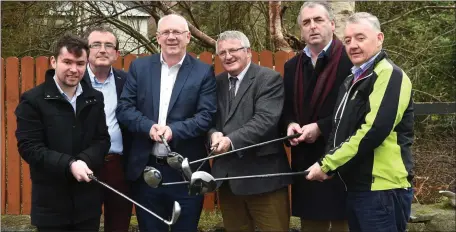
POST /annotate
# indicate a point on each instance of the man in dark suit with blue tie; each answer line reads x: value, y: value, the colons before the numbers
x: 174, y: 95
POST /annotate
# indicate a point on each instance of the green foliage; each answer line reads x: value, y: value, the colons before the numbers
x: 422, y: 43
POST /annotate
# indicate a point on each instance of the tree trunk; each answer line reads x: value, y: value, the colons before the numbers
x: 342, y: 10
x: 275, y: 27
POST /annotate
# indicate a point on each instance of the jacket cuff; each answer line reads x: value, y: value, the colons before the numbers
x: 82, y: 156
x: 324, y: 167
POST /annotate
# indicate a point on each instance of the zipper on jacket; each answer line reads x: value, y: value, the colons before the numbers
x: 344, y: 103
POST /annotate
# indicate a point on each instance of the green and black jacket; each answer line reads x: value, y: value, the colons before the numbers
x: 373, y: 130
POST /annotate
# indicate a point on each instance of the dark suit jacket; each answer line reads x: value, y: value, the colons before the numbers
x: 191, y: 111
x: 253, y: 118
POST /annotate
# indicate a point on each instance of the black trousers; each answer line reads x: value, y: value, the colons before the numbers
x: 92, y: 225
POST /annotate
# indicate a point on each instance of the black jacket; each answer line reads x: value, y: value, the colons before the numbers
x: 49, y: 135
x: 371, y: 141
x: 312, y: 194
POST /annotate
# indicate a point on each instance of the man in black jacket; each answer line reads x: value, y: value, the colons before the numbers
x: 370, y: 144
x: 104, y: 50
x: 312, y: 79
x: 62, y: 135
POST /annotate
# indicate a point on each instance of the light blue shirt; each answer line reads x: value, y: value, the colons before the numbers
x: 357, y: 71
x: 108, y: 88
x: 320, y: 55
x: 72, y: 101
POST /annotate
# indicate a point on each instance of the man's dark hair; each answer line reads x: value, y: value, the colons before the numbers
x: 101, y: 28
x: 74, y: 44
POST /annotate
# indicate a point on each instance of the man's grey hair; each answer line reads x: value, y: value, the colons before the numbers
x: 366, y: 17
x: 237, y: 35
x: 170, y: 15
x: 310, y: 4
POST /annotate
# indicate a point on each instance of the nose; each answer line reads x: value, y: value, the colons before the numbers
x: 228, y: 55
x: 171, y: 36
x: 312, y: 24
x: 102, y: 48
x: 73, y: 68
x: 352, y: 45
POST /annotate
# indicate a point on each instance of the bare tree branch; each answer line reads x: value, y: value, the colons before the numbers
x: 188, y: 9
x: 193, y: 30
x: 417, y: 10
x: 126, y: 28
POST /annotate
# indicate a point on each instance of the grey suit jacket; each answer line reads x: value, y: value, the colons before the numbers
x: 253, y: 118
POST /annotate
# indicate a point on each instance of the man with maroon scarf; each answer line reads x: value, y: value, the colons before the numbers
x: 312, y: 79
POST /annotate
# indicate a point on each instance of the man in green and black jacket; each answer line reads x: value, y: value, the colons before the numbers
x: 372, y: 133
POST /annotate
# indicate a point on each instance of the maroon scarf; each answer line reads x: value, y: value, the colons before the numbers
x: 325, y: 82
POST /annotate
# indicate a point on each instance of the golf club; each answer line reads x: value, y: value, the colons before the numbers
x: 176, y: 207
x: 248, y: 147
x: 152, y: 176
x: 173, y: 159
x: 186, y: 170
x: 210, y: 154
x: 207, y: 183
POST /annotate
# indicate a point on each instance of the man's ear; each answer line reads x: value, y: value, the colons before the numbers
x: 53, y: 62
x: 380, y: 38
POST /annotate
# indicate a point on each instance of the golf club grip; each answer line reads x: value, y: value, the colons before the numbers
x: 91, y: 176
x: 247, y: 177
x: 248, y: 147
x: 165, y: 143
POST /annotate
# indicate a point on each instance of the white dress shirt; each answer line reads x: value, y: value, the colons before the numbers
x: 167, y: 80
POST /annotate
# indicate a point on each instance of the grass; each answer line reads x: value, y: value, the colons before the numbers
x: 209, y: 222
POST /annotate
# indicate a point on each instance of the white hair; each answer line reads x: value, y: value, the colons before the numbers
x: 237, y: 35
x: 172, y: 15
x: 365, y: 17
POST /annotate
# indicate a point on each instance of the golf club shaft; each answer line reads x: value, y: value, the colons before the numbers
x: 246, y: 177
x: 123, y: 195
x: 248, y: 147
x: 210, y: 154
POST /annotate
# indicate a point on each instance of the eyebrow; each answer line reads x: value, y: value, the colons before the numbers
x: 356, y: 35
x: 308, y: 19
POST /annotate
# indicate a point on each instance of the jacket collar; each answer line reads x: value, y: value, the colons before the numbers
x: 52, y: 92
x: 382, y: 55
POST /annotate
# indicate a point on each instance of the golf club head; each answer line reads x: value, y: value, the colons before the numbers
x: 175, y: 160
x: 176, y: 213
x: 201, y: 183
x: 152, y: 177
x: 186, y: 169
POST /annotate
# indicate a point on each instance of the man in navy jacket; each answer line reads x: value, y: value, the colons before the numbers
x: 174, y: 95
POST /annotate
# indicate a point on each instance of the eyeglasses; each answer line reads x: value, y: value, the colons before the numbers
x: 169, y: 32
x: 107, y: 46
x: 230, y: 51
